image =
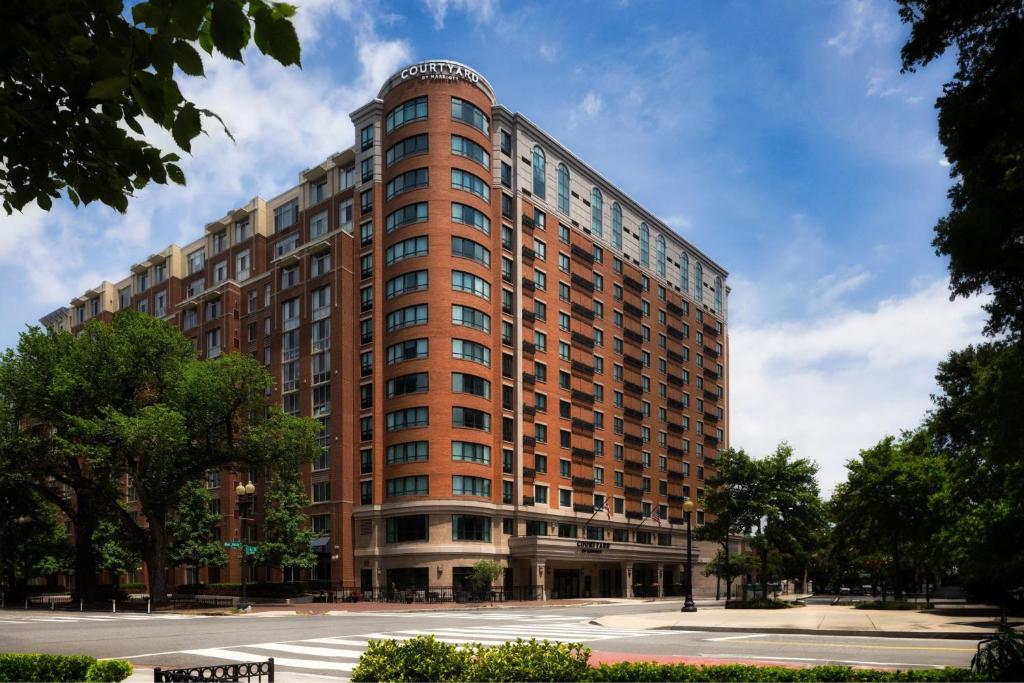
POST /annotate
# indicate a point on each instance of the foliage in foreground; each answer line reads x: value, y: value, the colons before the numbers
x: 425, y: 659
x: 891, y: 605
x: 1001, y: 657
x: 43, y: 667
x: 760, y: 604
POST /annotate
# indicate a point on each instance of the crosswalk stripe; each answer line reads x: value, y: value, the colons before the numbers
x: 452, y: 638
x: 336, y: 641
x: 307, y: 650
x: 558, y: 634
x: 239, y: 656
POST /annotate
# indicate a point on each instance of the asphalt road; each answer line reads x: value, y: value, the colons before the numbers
x: 330, y: 644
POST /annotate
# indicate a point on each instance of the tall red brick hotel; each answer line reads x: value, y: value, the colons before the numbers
x: 509, y: 357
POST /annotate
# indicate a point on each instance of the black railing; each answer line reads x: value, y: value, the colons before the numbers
x: 582, y: 454
x: 243, y: 671
x: 675, y: 309
x: 633, y: 465
x: 633, y: 336
x: 582, y: 397
x: 529, y: 254
x: 676, y: 332
x: 632, y: 284
x: 631, y: 310
x: 582, y: 254
x: 582, y: 340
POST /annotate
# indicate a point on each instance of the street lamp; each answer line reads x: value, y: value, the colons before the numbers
x: 246, y: 494
x: 688, y: 605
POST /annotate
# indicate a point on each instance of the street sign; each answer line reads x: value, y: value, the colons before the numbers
x: 232, y: 544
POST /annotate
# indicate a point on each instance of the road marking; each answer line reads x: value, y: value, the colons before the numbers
x: 771, y: 658
x: 751, y: 635
x: 220, y: 653
x: 880, y: 647
x: 307, y: 650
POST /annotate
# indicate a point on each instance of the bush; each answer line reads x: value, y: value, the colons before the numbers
x: 891, y: 604
x: 253, y: 590
x: 133, y: 586
x: 1001, y: 657
x: 108, y: 671
x: 420, y: 659
x: 649, y: 671
x: 760, y: 604
x: 40, y: 667
x: 530, y: 660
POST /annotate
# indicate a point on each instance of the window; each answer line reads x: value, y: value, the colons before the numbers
x: 406, y: 486
x: 366, y: 233
x: 467, y: 350
x: 366, y: 138
x: 410, y: 451
x: 470, y: 384
x: 471, y: 418
x: 596, y: 212
x: 565, y: 498
x: 414, y: 281
x: 467, y: 215
x: 539, y: 181
x: 366, y: 298
x: 467, y: 113
x: 408, y: 248
x: 471, y: 486
x: 659, y: 255
x: 464, y: 248
x: 409, y: 418
x: 365, y: 202
x: 719, y: 301
x: 464, y: 180
x: 220, y: 272
x: 506, y: 142
x: 698, y: 282
x: 286, y: 246
x: 346, y: 177
x: 408, y: 529
x: 645, y: 245
x: 407, y: 215
x: 471, y: 527
x: 321, y: 491
x: 407, y: 112
x: 241, y: 230
x: 321, y: 302
x: 464, y: 147
x: 467, y: 282
x: 196, y: 261
x: 407, y: 317
x: 506, y: 174
x: 465, y: 451
x: 616, y: 225
x: 411, y: 146
x: 415, y: 383
x: 563, y: 189
x: 410, y: 180
x: 286, y: 215
x: 242, y: 264
x: 470, y: 317
x: 684, y: 272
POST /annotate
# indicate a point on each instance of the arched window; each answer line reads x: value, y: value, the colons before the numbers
x: 698, y: 281
x: 616, y: 225
x: 684, y: 272
x: 538, y: 172
x: 719, y: 294
x: 596, y: 212
x: 563, y: 189
x: 659, y: 255
x: 645, y: 245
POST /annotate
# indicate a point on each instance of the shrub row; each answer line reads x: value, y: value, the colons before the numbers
x: 41, y: 667
x: 256, y: 590
x: 891, y: 604
x: 760, y: 604
x: 425, y: 659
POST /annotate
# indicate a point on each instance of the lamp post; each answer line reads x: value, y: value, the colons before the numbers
x: 688, y: 605
x: 246, y: 497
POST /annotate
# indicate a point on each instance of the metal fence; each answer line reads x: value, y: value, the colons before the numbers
x: 245, y: 671
x: 326, y: 591
x: 67, y: 603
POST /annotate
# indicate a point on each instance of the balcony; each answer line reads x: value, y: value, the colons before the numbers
x: 528, y: 284
x: 633, y: 389
x: 676, y: 500
x: 583, y: 483
x: 528, y: 411
x: 676, y: 333
x: 634, y: 514
x: 632, y: 414
x: 711, y: 395
x: 676, y: 380
x: 710, y: 374
x: 529, y: 379
x: 529, y: 348
x: 675, y: 404
x: 633, y: 440
x: 582, y: 312
x: 633, y: 362
x: 529, y: 223
x: 635, y: 285
x: 632, y: 311
x: 675, y: 309
x: 580, y: 425
x: 582, y: 507
x: 582, y: 255
x: 529, y: 442
x: 582, y: 454
x: 674, y: 428
x: 529, y: 316
x: 676, y: 357
x: 633, y: 466
x: 581, y: 368
x: 710, y: 329
x: 710, y: 440
x: 676, y: 452
x: 675, y: 476
x: 528, y: 254
x: 710, y: 352
x: 632, y: 336
x: 529, y: 473
x: 582, y: 282
x: 528, y: 501
x: 582, y: 397
x: 633, y: 492
x: 582, y: 340
x: 711, y: 417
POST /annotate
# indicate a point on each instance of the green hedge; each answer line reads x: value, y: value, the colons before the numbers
x: 891, y: 604
x: 425, y: 659
x: 760, y: 604
x: 253, y: 590
x: 42, y: 667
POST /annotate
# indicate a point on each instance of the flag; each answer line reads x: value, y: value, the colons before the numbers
x: 656, y: 517
x: 608, y: 509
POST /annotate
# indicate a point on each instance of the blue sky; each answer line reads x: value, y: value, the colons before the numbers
x: 779, y: 137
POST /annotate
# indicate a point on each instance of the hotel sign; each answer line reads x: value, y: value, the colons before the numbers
x: 440, y: 71
x: 593, y: 546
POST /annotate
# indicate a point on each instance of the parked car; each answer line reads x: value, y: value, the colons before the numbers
x: 844, y: 590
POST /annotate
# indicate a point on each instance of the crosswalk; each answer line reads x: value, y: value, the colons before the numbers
x: 337, y: 656
x: 57, y: 617
x: 477, y: 615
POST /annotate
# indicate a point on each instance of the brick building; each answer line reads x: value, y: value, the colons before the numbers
x: 509, y: 357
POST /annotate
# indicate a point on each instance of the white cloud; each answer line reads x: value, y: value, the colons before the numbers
x: 838, y: 383
x: 589, y: 107
x: 944, y: 162
x: 864, y: 21
x: 480, y: 11
x: 833, y: 286
x: 549, y: 51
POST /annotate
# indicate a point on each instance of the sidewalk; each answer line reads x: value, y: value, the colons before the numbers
x: 812, y: 619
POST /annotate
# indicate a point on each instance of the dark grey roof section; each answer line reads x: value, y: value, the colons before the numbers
x: 53, y: 317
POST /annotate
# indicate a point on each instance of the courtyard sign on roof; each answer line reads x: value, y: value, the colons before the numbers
x: 440, y: 71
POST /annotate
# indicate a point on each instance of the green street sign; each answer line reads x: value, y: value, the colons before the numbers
x: 250, y: 550
x: 232, y: 544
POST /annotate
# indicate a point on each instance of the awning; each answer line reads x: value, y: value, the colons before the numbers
x: 321, y: 545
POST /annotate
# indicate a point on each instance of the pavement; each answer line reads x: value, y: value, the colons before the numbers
x: 814, y: 620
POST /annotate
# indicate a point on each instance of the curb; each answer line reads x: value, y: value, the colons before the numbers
x: 948, y: 635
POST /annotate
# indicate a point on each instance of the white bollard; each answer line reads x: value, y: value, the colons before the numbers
x: 81, y: 604
x: 149, y: 604
x: 114, y: 602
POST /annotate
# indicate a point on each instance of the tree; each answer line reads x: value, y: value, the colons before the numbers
x: 287, y: 533
x: 977, y: 427
x: 114, y: 554
x: 128, y: 399
x: 729, y: 567
x: 33, y: 542
x: 980, y: 111
x: 78, y: 78
x: 193, y: 528
x: 886, y: 507
x: 735, y: 475
x: 484, y: 573
x: 782, y: 497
